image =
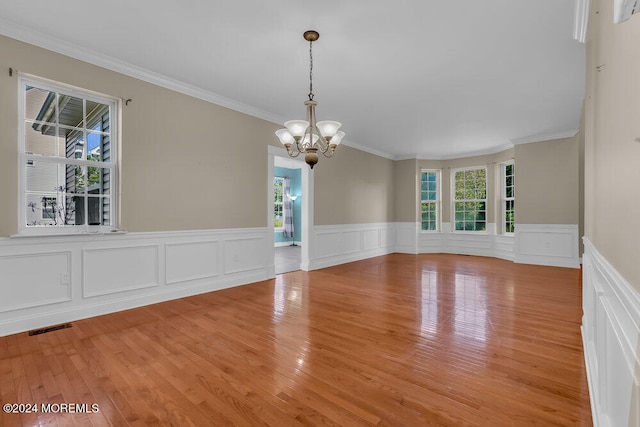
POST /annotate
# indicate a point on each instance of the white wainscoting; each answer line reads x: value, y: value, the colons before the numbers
x: 610, y: 331
x: 547, y: 244
x: 407, y: 237
x: 55, y: 279
x: 479, y: 244
x: 338, y: 244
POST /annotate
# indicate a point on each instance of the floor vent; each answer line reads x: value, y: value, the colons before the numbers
x: 49, y: 329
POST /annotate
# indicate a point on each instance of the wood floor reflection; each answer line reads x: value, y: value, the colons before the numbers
x: 398, y: 340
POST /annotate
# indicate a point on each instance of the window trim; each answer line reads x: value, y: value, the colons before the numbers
x: 453, y: 199
x: 115, y: 114
x: 438, y: 200
x: 504, y: 198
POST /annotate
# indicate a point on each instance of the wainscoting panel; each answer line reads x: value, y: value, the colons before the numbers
x: 59, y: 279
x: 547, y: 244
x: 469, y: 244
x: 246, y: 254
x: 610, y: 331
x: 338, y: 244
x: 407, y: 237
x: 119, y: 269
x: 503, y: 247
x: 371, y: 239
x: 191, y: 261
x: 327, y: 241
x: 24, y: 285
x: 352, y: 241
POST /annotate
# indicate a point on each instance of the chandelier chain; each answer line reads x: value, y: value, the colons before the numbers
x: 310, y: 70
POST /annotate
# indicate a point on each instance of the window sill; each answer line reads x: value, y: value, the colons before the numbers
x: 68, y: 234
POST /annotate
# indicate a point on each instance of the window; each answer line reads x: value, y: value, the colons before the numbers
x: 278, y: 203
x: 430, y: 199
x: 68, y: 158
x: 508, y: 198
x: 470, y: 199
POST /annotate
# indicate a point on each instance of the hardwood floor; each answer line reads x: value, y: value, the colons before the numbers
x: 398, y: 340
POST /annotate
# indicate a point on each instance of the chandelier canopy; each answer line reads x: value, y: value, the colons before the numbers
x: 309, y: 136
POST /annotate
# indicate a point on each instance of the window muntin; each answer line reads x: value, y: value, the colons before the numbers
x: 508, y: 198
x: 469, y: 188
x: 429, y: 200
x: 67, y: 152
x: 278, y: 203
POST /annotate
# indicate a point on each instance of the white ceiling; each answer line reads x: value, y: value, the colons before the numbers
x: 408, y: 78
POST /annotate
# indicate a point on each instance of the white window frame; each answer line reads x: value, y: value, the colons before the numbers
x: 454, y: 201
x: 26, y: 159
x: 437, y: 201
x: 278, y: 229
x: 505, y: 199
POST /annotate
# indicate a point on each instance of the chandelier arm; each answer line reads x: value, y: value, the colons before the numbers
x: 331, y: 149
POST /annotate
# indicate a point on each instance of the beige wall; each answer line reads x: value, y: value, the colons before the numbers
x: 612, y: 123
x: 547, y: 184
x: 405, y: 178
x: 186, y: 164
x: 353, y: 187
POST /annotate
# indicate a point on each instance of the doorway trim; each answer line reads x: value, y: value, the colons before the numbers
x: 306, y: 210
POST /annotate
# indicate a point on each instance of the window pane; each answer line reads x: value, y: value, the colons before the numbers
x: 95, y: 143
x: 97, y: 115
x: 75, y: 179
x: 74, y: 143
x: 72, y: 212
x: 40, y: 104
x: 70, y: 111
x: 41, y: 139
x: 40, y: 210
x: 42, y: 176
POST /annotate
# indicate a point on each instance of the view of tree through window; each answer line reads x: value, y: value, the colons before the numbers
x: 470, y: 199
x: 68, y: 163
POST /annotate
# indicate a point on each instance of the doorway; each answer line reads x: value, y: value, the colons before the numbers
x: 289, y: 252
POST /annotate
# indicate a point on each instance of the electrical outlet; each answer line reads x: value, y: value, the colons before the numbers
x: 64, y: 279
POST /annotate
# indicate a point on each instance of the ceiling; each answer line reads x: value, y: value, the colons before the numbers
x: 409, y: 78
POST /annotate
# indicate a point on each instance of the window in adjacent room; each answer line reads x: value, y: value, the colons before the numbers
x: 68, y: 158
x: 508, y: 198
x: 469, y: 188
x: 430, y: 199
x: 278, y: 203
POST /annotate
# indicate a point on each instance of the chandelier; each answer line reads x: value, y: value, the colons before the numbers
x: 309, y: 136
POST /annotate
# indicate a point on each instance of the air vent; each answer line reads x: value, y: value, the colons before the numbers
x: 49, y: 329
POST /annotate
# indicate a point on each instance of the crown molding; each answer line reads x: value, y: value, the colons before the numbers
x: 545, y: 137
x: 369, y: 150
x: 36, y: 38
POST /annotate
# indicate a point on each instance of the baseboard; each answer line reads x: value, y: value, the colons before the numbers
x: 283, y: 244
x: 610, y: 333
